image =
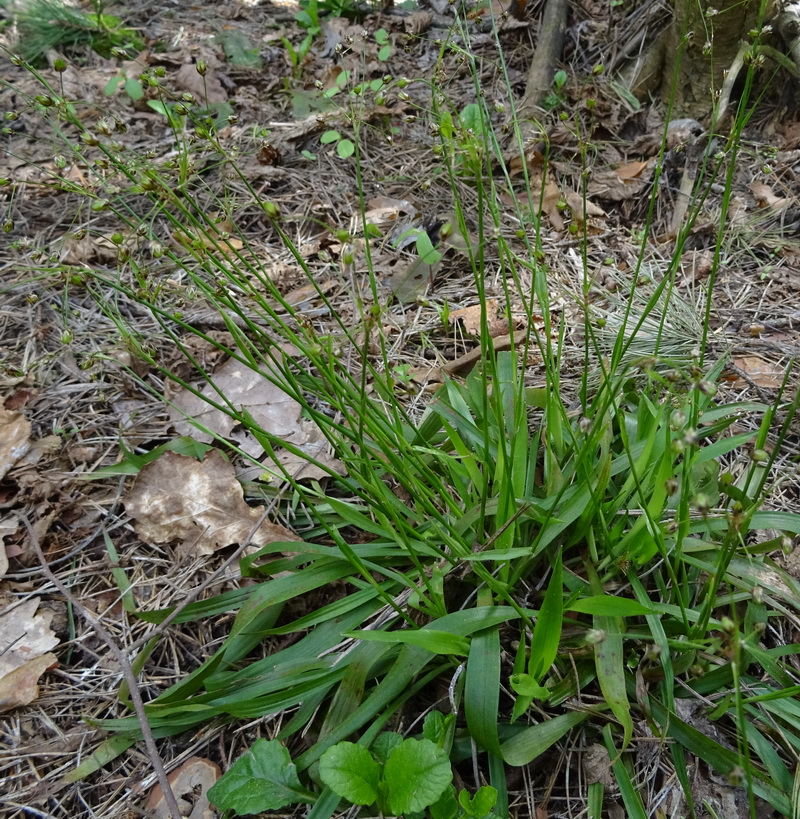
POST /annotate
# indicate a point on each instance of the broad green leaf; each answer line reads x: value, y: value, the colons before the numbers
x: 425, y: 249
x: 482, y: 689
x: 471, y: 118
x: 238, y: 48
x: 111, y: 85
x: 439, y: 729
x: 438, y: 642
x: 330, y: 136
x: 350, y: 771
x: 345, y: 148
x: 264, y: 778
x: 603, y: 604
x: 416, y: 774
x: 534, y: 741
x: 445, y: 807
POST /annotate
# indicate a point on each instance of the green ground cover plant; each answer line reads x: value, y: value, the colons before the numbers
x: 510, y: 567
x: 51, y: 24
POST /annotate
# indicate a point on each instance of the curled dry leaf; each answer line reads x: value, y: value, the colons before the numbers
x: 625, y: 182
x: 582, y: 208
x: 762, y: 373
x: 208, y: 87
x: 765, y: 198
x: 471, y: 319
x: 15, y: 432
x: 190, y: 783
x: 200, y: 504
x: 25, y: 641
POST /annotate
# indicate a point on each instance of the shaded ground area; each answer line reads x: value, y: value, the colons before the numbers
x: 69, y: 404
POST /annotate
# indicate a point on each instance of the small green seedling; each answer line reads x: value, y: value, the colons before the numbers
x: 133, y: 87
x: 344, y: 147
x: 385, y: 48
x: 399, y: 776
x: 556, y: 97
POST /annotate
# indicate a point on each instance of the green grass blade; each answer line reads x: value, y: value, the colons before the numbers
x: 547, y: 633
x: 634, y: 809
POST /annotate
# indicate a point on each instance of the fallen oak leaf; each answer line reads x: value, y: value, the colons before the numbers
x: 582, y: 207
x: 200, y: 504
x: 470, y: 317
x: 765, y: 198
x: 20, y: 687
x: 25, y: 641
x: 266, y: 403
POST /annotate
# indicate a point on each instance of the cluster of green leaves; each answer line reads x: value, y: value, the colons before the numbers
x: 658, y: 579
x: 398, y: 776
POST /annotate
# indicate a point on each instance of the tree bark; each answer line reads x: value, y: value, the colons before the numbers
x: 702, y: 47
x: 543, y: 63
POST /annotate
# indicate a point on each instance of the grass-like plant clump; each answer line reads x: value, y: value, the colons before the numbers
x: 510, y: 566
x: 44, y: 25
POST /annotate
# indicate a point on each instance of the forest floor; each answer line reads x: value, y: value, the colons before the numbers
x: 68, y: 402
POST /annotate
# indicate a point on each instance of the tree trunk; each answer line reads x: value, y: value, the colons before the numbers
x: 701, y: 47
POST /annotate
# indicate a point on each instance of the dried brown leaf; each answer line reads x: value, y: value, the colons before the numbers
x: 269, y: 406
x: 207, y: 88
x: 21, y: 686
x: 200, y: 504
x: 15, y: 430
x: 26, y: 638
x: 581, y: 207
x: 418, y: 22
x: 551, y: 196
x: 190, y: 783
x: 8, y: 528
x: 765, y: 198
x: 471, y: 319
x: 621, y: 183
x: 763, y: 373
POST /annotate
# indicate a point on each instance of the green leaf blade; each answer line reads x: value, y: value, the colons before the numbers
x: 350, y: 771
x: 263, y: 779
x: 417, y: 773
